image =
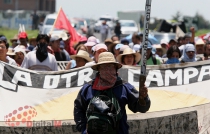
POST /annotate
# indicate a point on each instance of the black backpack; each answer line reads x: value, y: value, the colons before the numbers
x: 103, y: 113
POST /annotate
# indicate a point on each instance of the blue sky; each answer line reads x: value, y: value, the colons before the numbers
x: 160, y: 8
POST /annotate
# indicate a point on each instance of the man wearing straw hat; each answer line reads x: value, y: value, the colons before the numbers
x: 81, y: 59
x: 107, y: 80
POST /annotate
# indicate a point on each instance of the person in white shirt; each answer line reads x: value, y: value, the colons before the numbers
x: 104, y: 30
x: 3, y: 51
x: 40, y: 59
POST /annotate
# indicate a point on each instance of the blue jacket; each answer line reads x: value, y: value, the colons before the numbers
x: 125, y: 93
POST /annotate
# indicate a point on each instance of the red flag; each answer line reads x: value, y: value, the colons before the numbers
x: 63, y: 23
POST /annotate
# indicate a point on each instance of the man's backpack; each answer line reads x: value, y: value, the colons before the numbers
x: 103, y: 113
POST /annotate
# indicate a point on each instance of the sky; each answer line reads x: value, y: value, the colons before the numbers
x: 160, y: 8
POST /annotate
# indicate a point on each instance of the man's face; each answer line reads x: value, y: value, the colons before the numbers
x: 190, y: 54
x: 187, y: 40
x: 129, y: 59
x: 42, y: 41
x: 164, y: 46
x: 199, y: 49
x: 134, y: 40
x: 19, y: 56
x: 98, y: 52
x: 23, y: 41
x: 33, y: 43
x: 159, y: 52
x: 14, y: 44
x: 172, y: 43
x: 56, y: 45
x: 80, y: 62
x: 3, y: 50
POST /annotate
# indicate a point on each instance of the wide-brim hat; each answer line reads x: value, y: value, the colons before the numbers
x: 61, y: 34
x: 20, y: 50
x: 106, y: 58
x: 108, y: 41
x: 32, y: 39
x: 10, y: 52
x: 82, y: 54
x: 90, y: 44
x: 111, y: 46
x: 129, y: 51
x: 15, y: 38
x: 199, y: 42
x: 158, y: 46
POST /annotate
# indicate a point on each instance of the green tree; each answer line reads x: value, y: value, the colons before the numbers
x: 177, y: 16
x: 201, y: 22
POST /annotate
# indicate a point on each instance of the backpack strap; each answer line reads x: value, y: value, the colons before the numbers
x: 154, y: 60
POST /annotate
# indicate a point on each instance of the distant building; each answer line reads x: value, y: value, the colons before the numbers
x: 40, y: 5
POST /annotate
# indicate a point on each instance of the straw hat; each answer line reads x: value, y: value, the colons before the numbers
x: 128, y: 51
x: 61, y: 34
x: 105, y: 58
x: 32, y: 39
x: 10, y: 52
x: 158, y: 46
x: 199, y: 42
x: 15, y: 38
x: 82, y: 54
x: 108, y: 41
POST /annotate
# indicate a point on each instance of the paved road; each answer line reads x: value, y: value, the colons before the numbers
x: 97, y: 35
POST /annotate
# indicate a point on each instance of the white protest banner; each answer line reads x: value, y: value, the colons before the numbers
x: 27, y: 96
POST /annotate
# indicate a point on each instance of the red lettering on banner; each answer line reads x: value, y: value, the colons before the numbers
x: 57, y: 123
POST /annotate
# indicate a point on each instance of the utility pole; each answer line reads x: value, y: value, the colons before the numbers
x: 16, y: 4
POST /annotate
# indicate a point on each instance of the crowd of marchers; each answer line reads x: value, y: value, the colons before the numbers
x: 42, y: 52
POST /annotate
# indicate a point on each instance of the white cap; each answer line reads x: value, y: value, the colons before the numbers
x: 163, y: 41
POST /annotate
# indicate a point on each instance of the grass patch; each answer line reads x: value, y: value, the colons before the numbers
x: 10, y: 33
x: 201, y: 32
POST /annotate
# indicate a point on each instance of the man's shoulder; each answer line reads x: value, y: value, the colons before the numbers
x: 90, y: 63
x: 31, y: 53
x: 51, y: 56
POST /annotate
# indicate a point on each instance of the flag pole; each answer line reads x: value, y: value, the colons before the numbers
x: 142, y: 77
x: 55, y: 21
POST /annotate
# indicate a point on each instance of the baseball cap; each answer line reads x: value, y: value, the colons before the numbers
x: 54, y: 38
x: 163, y: 41
x: 3, y: 38
x: 100, y: 46
x: 22, y: 35
x: 91, y: 41
x: 124, y: 41
x: 118, y: 46
x: 137, y: 47
x: 122, y: 48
